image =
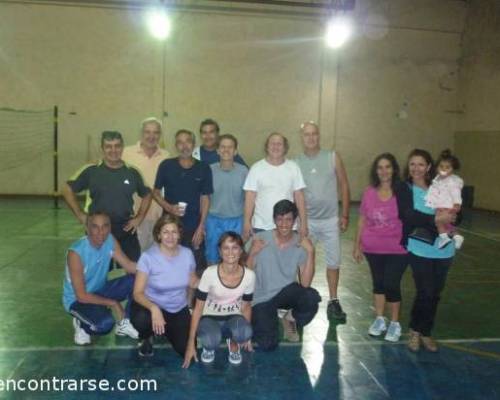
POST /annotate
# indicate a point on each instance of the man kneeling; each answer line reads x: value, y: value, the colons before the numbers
x: 87, y: 294
x: 277, y: 258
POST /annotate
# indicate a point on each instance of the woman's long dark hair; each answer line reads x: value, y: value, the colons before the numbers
x: 396, y: 177
x: 428, y: 159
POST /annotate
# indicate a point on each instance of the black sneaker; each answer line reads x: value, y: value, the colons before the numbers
x: 146, y: 347
x: 334, y: 310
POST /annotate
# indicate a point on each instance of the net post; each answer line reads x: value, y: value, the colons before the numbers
x: 56, y: 159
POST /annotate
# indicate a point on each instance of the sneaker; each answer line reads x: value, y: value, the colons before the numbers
x: 413, y: 341
x: 459, y: 241
x: 429, y: 344
x: 207, y: 356
x: 334, y: 310
x: 81, y: 337
x: 393, y: 332
x: 444, y: 240
x: 290, y: 328
x: 377, y: 327
x: 146, y: 347
x: 234, y: 357
x: 125, y: 328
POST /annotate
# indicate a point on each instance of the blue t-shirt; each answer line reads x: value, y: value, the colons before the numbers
x: 185, y: 184
x: 168, y: 277
x: 212, y: 157
x: 418, y: 247
x: 95, y: 261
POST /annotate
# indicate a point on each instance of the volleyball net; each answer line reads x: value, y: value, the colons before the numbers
x: 28, y: 152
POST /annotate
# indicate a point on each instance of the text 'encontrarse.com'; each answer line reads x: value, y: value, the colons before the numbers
x: 55, y: 384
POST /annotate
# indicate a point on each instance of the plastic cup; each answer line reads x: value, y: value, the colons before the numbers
x: 182, y: 207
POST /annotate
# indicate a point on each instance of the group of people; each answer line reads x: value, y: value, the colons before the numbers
x: 178, y: 227
x: 406, y: 221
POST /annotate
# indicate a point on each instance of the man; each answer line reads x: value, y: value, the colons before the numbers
x: 146, y: 155
x: 186, y: 180
x: 272, y: 179
x: 110, y: 186
x: 87, y: 294
x: 323, y: 172
x: 209, y: 132
x: 277, y: 257
x: 226, y: 202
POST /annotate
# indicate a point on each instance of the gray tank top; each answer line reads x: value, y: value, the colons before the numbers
x: 321, y: 184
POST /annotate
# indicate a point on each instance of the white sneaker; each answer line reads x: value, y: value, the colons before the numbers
x: 290, y: 328
x: 393, y: 332
x: 125, y: 328
x: 459, y: 241
x: 377, y: 327
x: 81, y: 337
x: 234, y: 357
x: 207, y: 356
x: 443, y: 240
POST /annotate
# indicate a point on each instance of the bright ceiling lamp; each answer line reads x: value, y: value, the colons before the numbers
x: 158, y: 24
x: 338, y: 31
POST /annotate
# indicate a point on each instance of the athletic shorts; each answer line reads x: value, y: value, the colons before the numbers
x: 214, y: 228
x: 326, y: 231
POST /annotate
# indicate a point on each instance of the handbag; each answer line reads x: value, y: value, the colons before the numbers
x: 423, y: 235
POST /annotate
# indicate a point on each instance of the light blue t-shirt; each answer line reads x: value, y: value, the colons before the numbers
x: 168, y: 277
x: 228, y: 197
x: 418, y: 247
x: 95, y: 261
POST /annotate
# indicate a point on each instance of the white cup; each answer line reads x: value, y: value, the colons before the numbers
x: 182, y: 207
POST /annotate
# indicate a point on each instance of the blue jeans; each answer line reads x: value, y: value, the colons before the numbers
x: 214, y: 228
x: 96, y: 319
x: 212, y: 330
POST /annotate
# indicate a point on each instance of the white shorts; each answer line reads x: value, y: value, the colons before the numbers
x: 326, y: 231
x: 145, y: 234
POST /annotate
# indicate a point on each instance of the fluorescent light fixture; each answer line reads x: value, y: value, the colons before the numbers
x: 158, y: 24
x: 338, y: 31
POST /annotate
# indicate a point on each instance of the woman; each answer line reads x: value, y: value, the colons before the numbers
x: 223, y: 305
x: 164, y: 274
x: 428, y: 262
x: 379, y: 237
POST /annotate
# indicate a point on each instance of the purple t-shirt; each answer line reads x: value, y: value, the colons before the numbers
x: 382, y: 230
x: 168, y: 277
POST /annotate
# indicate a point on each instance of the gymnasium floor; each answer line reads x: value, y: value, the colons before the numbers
x: 333, y: 362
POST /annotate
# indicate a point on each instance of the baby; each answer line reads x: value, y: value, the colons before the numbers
x: 445, y: 195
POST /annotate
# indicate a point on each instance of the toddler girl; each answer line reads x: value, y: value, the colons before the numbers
x: 445, y: 195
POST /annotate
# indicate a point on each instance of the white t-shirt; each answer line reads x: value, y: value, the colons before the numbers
x: 445, y: 192
x: 272, y: 183
x: 221, y: 300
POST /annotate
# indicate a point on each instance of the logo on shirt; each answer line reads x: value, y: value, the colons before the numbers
x: 126, y: 182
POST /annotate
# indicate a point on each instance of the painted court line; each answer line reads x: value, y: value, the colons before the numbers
x: 284, y: 344
x: 481, y: 235
x: 482, y: 353
x: 374, y: 379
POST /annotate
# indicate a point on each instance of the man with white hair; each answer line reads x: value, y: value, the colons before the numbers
x: 324, y: 174
x: 146, y: 155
